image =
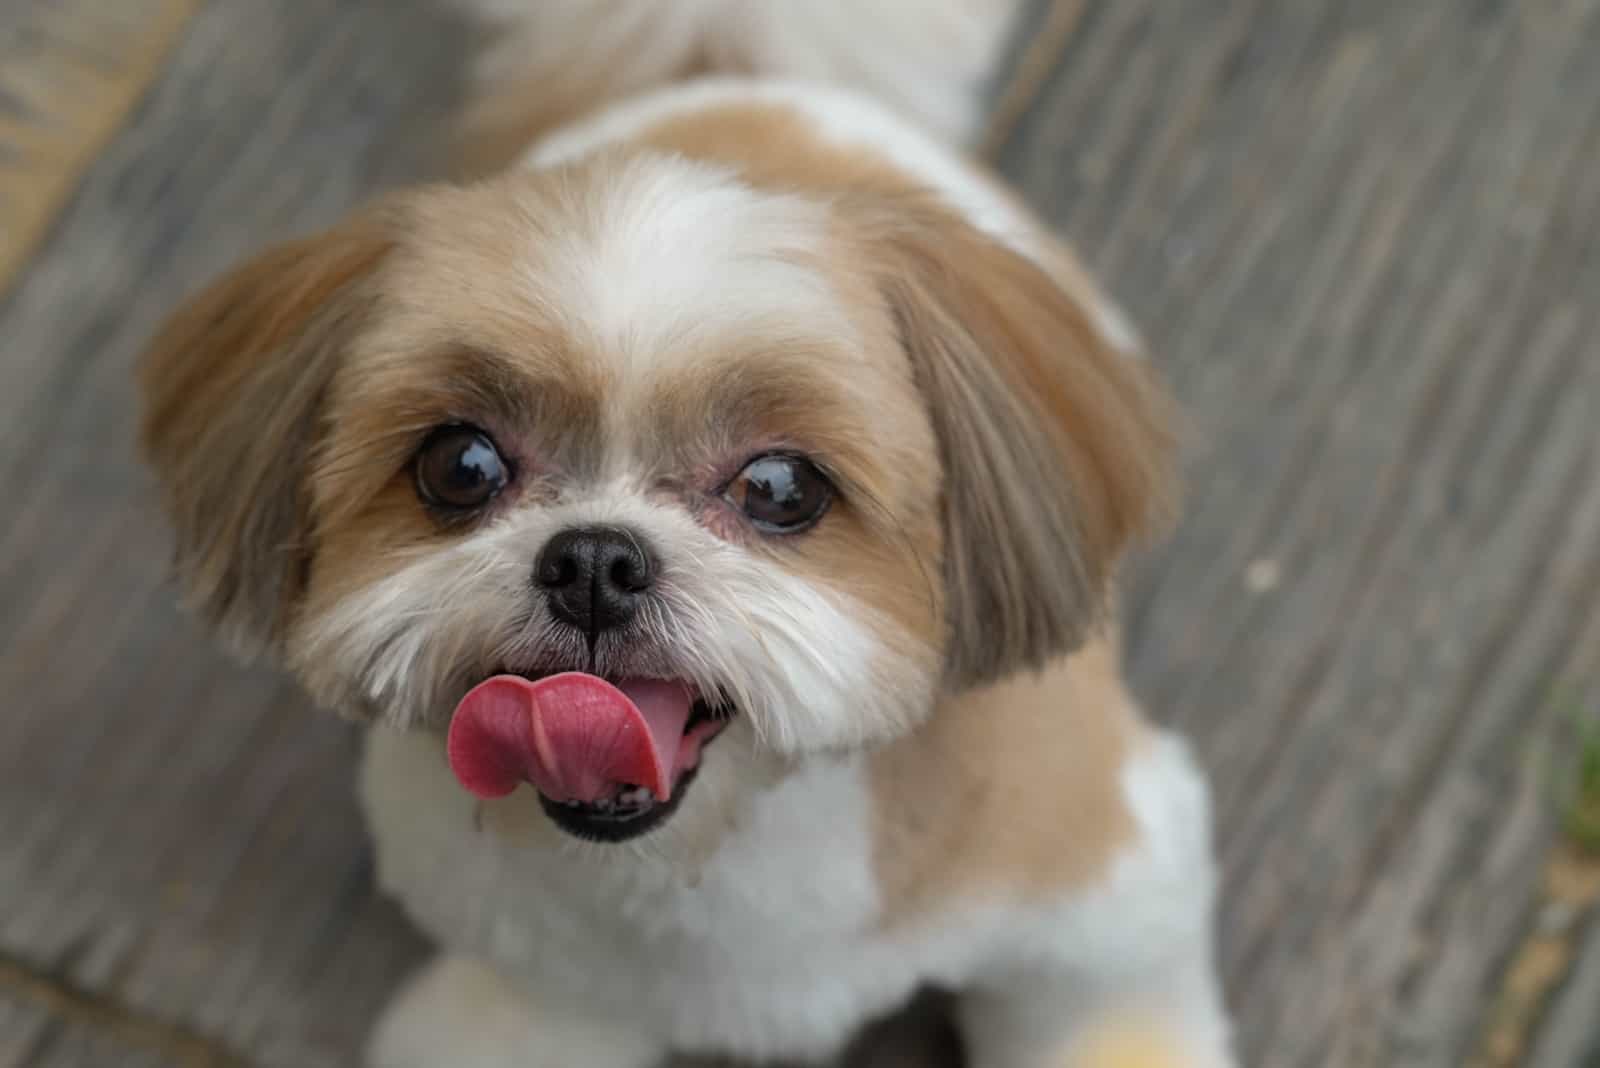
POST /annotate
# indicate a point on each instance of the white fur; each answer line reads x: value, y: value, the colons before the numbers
x: 673, y: 255
x: 771, y: 946
x: 865, y: 126
x: 929, y: 59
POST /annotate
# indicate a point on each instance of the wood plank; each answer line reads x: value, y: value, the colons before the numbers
x: 189, y: 847
x: 1548, y: 962
x: 1357, y: 235
x: 70, y: 71
x: 1570, y: 1036
x: 76, y: 1046
x: 24, y: 1029
x: 1037, y: 42
x: 45, y: 1023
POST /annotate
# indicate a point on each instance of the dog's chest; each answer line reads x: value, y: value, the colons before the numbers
x: 773, y: 947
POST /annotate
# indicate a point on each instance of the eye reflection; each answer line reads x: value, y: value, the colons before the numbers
x: 458, y: 468
x: 780, y: 493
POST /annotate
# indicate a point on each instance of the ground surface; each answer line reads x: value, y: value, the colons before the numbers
x: 1360, y: 235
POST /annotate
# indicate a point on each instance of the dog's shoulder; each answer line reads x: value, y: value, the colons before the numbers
x: 1013, y: 792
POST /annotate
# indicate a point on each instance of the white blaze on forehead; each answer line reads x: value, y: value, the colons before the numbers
x: 864, y: 125
x: 664, y: 256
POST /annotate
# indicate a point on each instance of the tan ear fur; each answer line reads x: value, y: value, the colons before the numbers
x: 1055, y: 446
x: 231, y: 390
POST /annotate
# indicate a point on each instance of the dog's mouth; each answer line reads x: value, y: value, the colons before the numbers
x: 610, y: 760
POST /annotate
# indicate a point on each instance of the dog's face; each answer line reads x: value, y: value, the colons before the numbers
x: 799, y: 463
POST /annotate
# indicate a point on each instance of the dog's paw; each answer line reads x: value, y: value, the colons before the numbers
x: 458, y: 1013
x: 452, y: 1012
x: 1143, y: 1043
x: 1127, y: 1049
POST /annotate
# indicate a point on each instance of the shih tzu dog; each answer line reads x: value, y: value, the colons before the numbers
x: 713, y: 515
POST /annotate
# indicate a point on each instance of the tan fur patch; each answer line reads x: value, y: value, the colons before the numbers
x: 231, y: 390
x: 1054, y: 447
x: 1136, y: 1042
x: 779, y: 148
x: 772, y: 146
x: 1011, y: 793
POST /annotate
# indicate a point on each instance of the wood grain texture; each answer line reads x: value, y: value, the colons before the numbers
x: 1037, y: 43
x: 45, y: 1020
x: 1359, y: 235
x: 25, y: 1025
x: 178, y: 834
x: 70, y: 71
x: 1570, y: 1036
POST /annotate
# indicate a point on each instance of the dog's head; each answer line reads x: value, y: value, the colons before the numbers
x: 599, y: 460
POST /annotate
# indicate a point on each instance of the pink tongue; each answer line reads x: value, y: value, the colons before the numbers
x: 574, y: 736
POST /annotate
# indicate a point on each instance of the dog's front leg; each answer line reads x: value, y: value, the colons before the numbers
x: 458, y: 1013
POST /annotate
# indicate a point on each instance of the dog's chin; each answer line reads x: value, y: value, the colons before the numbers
x: 627, y: 810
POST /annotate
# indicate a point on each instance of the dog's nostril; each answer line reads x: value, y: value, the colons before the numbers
x: 557, y: 571
x: 631, y: 571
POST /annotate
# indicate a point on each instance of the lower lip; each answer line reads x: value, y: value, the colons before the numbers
x: 594, y: 825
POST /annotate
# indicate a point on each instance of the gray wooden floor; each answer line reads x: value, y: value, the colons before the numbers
x: 1361, y: 236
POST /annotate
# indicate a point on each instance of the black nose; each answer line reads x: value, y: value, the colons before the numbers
x: 593, y: 576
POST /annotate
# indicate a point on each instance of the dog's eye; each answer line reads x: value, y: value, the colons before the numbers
x: 459, y: 468
x: 781, y: 494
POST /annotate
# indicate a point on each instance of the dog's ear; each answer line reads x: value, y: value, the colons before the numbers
x: 232, y: 389
x: 1055, y: 445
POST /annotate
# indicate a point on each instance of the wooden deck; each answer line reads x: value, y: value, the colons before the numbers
x: 1361, y: 236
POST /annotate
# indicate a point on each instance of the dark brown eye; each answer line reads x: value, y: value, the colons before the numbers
x: 458, y: 468
x: 781, y: 494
